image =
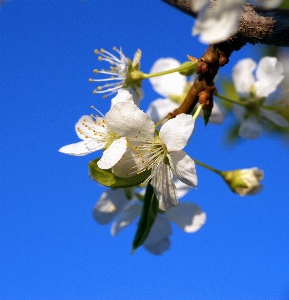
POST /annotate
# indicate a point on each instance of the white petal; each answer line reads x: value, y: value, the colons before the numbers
x: 158, y: 239
x: 217, y: 115
x: 219, y: 22
x: 164, y: 187
x: 183, y: 167
x: 82, y: 148
x: 269, y: 74
x: 113, y: 154
x: 198, y: 4
x: 188, y: 216
x: 243, y: 76
x: 109, y: 205
x: 127, y: 119
x: 166, y: 85
x: 250, y: 128
x: 182, y: 188
x: 176, y: 132
x: 137, y: 95
x: 274, y: 117
x: 131, y: 211
x: 122, y: 96
x: 160, y: 108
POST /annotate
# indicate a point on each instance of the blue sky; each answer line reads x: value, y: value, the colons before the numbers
x: 51, y: 248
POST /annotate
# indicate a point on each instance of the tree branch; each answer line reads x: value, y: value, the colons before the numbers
x: 256, y: 24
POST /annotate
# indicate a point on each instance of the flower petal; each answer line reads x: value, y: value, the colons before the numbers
x: 217, y: 115
x: 164, y: 187
x: 274, y: 117
x: 182, y: 188
x: 122, y: 96
x: 270, y: 73
x: 239, y: 111
x: 183, y: 167
x: 113, y: 154
x: 160, y: 108
x: 250, y: 128
x: 243, y: 76
x: 82, y: 148
x: 158, y: 239
x: 176, y: 132
x: 131, y: 211
x: 127, y: 119
x: 109, y: 205
x: 166, y: 85
x: 188, y: 216
x: 219, y: 22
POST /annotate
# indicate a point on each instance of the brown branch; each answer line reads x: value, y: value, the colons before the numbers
x: 256, y: 25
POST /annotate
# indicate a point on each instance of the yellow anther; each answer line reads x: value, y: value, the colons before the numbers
x: 95, y: 71
x: 102, y: 50
x: 112, y: 76
x: 104, y: 96
x: 86, y: 136
x: 94, y: 91
x: 84, y: 120
x: 90, y: 80
x: 139, y: 131
x: 100, y: 58
x: 99, y: 88
x: 114, y: 48
x: 96, y: 51
x: 92, y: 106
x: 136, y: 136
x: 126, y: 174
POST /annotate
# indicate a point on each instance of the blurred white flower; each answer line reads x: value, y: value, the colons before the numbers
x: 244, y: 181
x: 269, y: 74
x: 113, y: 204
x: 218, y: 20
x: 174, y: 88
x: 162, y: 154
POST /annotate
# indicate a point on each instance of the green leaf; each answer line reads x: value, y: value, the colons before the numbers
x: 107, y: 178
x: 147, y: 218
x: 207, y: 113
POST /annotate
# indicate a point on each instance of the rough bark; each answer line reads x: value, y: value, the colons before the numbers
x: 256, y: 25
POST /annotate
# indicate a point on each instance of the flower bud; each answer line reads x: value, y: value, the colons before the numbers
x: 244, y: 181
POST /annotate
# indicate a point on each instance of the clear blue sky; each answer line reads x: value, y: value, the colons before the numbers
x: 51, y: 248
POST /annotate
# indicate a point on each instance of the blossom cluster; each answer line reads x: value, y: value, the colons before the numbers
x: 142, y: 149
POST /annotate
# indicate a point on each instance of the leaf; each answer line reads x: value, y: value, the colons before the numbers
x: 107, y: 178
x: 147, y: 218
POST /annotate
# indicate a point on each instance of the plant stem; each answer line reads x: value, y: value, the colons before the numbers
x: 207, y: 167
x: 230, y: 100
x: 197, y: 112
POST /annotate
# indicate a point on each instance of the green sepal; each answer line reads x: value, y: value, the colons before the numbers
x: 147, y: 218
x: 207, y: 111
x: 107, y: 178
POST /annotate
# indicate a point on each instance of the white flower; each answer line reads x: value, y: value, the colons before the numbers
x: 244, y: 181
x: 174, y: 87
x: 269, y: 74
x: 109, y: 132
x: 162, y: 154
x: 218, y: 21
x: 119, y: 74
x: 113, y: 204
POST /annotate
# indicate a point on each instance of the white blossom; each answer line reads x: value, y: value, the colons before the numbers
x: 174, y: 88
x: 109, y: 133
x: 118, y: 75
x: 254, y: 90
x: 163, y: 155
x: 217, y: 21
x: 113, y: 205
